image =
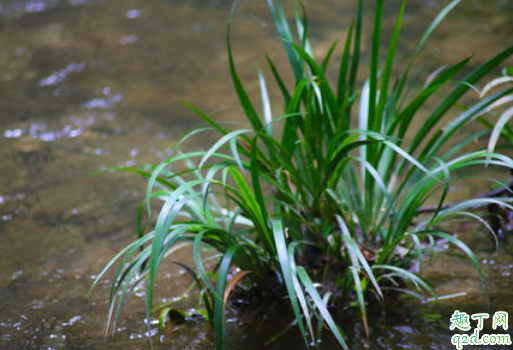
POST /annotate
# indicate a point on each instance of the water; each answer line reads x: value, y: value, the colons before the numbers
x: 89, y: 84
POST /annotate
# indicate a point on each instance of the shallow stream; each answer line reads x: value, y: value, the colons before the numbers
x: 88, y: 84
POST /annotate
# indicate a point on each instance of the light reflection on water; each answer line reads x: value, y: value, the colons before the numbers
x: 90, y: 84
x: 39, y: 131
x: 60, y: 76
x: 16, y: 8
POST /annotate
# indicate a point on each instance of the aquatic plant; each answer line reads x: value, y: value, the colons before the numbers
x: 501, y: 127
x: 325, y: 202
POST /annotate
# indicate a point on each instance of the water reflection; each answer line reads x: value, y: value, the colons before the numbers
x: 41, y: 132
x: 103, y: 102
x: 61, y: 75
x: 16, y: 8
x: 27, y: 6
x: 133, y: 13
x: 127, y: 40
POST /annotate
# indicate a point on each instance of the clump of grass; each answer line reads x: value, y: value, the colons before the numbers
x: 308, y: 204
